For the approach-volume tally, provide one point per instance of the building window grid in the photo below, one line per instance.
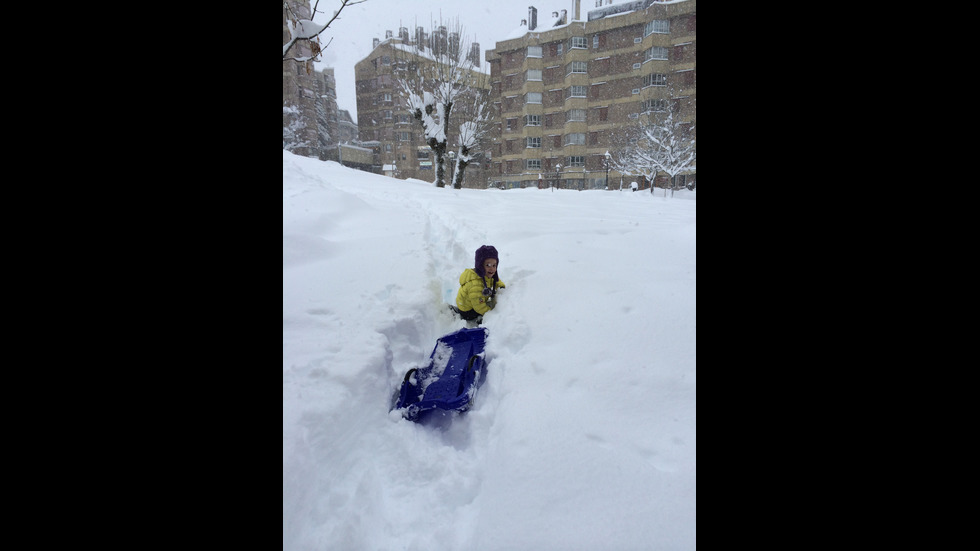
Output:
(577, 67)
(657, 26)
(655, 79)
(656, 52)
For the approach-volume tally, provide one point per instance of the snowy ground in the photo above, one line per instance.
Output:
(584, 434)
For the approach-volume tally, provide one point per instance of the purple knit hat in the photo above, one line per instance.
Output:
(483, 253)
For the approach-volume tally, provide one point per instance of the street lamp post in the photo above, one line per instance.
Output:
(558, 174)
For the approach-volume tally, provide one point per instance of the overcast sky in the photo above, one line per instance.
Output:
(483, 21)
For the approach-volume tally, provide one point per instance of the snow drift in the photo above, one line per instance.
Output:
(583, 435)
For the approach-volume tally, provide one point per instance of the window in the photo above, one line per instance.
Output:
(656, 52)
(533, 142)
(579, 42)
(387, 113)
(603, 113)
(577, 91)
(595, 41)
(533, 164)
(656, 79)
(657, 26)
(386, 97)
(511, 124)
(576, 114)
(578, 67)
(575, 160)
(532, 120)
(533, 97)
(534, 51)
(533, 74)
(658, 105)
(405, 136)
(575, 139)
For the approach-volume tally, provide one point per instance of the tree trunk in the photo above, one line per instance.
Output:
(461, 167)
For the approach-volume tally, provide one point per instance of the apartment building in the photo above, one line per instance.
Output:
(563, 90)
(384, 120)
(299, 90)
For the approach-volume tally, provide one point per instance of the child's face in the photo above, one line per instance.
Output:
(489, 267)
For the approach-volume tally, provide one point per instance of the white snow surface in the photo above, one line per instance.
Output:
(584, 433)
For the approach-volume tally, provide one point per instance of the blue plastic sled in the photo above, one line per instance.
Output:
(456, 370)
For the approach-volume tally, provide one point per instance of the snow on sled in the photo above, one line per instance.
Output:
(456, 370)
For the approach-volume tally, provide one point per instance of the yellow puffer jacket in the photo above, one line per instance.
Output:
(470, 295)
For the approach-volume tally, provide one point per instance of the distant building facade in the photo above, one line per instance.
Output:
(385, 121)
(346, 127)
(299, 90)
(561, 93)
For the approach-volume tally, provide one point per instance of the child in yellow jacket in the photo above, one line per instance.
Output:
(478, 286)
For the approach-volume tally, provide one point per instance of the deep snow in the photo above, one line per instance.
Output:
(584, 434)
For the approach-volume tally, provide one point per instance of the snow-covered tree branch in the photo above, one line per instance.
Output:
(660, 144)
(306, 29)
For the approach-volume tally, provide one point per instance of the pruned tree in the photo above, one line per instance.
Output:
(474, 110)
(447, 95)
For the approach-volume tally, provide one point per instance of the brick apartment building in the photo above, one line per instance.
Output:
(562, 90)
(299, 90)
(384, 120)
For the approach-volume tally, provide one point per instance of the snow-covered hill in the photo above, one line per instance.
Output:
(584, 434)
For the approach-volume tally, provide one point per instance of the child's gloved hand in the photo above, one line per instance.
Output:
(491, 302)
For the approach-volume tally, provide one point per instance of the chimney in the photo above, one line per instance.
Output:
(474, 56)
(454, 45)
(375, 42)
(387, 35)
(532, 18)
(578, 9)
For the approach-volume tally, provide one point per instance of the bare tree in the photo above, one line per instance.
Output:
(306, 29)
(660, 143)
(447, 95)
